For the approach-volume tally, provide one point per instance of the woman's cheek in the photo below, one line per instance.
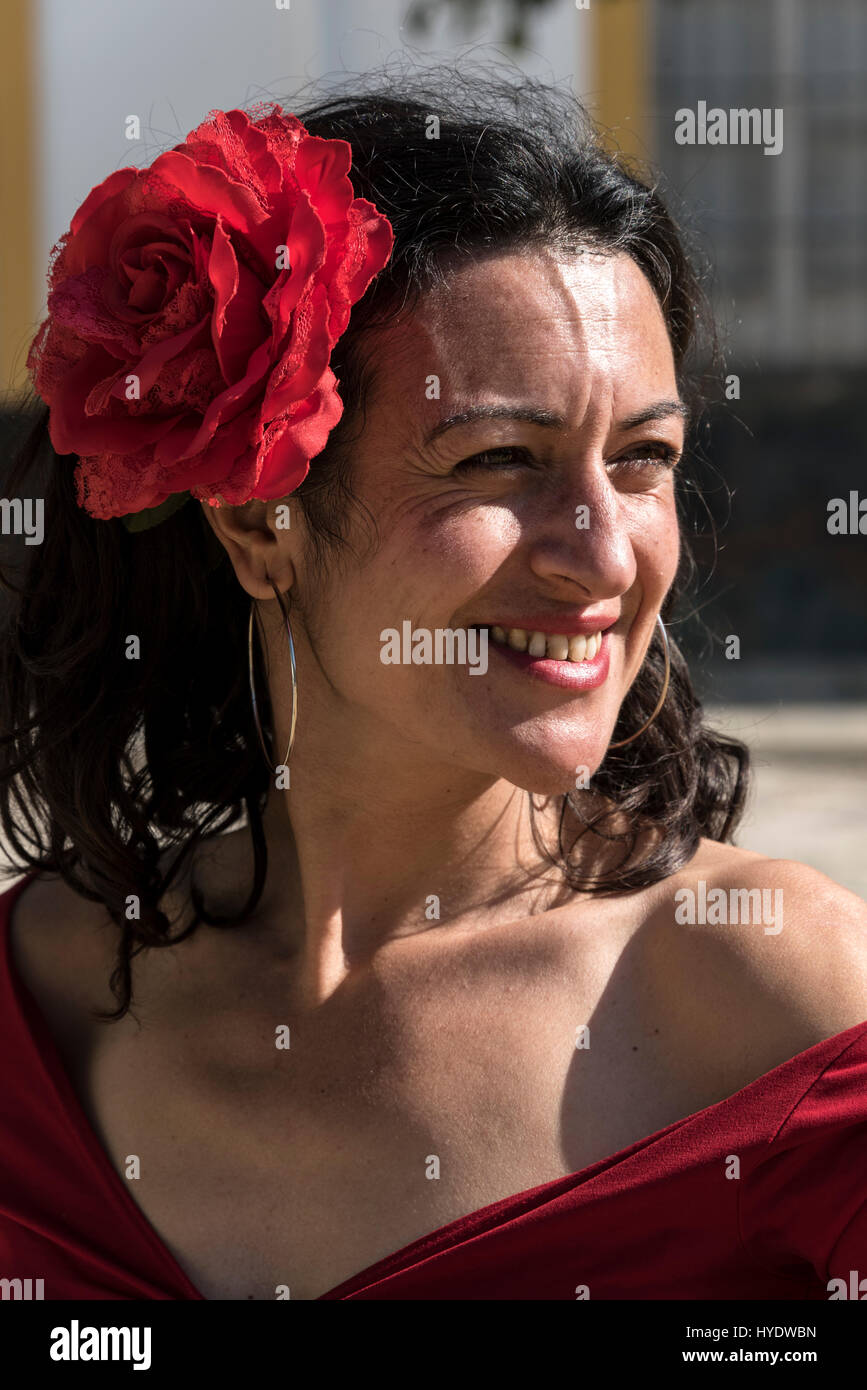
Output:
(656, 540)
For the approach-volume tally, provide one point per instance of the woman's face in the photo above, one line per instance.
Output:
(477, 520)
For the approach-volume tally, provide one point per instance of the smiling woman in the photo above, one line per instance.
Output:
(459, 1041)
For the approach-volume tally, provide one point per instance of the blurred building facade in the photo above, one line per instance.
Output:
(788, 232)
(787, 237)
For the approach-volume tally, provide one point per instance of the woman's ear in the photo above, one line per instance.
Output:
(260, 548)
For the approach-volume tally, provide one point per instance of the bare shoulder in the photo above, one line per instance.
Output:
(770, 952)
(62, 946)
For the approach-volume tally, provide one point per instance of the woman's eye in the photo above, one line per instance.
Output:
(509, 456)
(643, 454)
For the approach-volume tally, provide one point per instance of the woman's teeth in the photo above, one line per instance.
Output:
(551, 645)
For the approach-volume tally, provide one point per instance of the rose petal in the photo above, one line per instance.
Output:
(292, 444)
(207, 189)
(79, 303)
(225, 407)
(301, 369)
(223, 275)
(322, 168)
(148, 369)
(239, 323)
(110, 187)
(230, 466)
(379, 240)
(365, 251)
(73, 432)
(93, 230)
(307, 246)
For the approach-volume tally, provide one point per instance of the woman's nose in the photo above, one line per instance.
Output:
(583, 537)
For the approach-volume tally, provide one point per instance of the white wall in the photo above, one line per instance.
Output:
(171, 61)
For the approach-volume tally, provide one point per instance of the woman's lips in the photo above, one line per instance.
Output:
(570, 675)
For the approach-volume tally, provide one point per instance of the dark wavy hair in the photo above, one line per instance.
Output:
(105, 763)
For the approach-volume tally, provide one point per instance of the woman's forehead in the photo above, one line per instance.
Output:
(536, 326)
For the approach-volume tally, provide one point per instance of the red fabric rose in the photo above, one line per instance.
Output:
(178, 354)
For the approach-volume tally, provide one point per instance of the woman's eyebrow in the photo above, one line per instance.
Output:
(549, 419)
(658, 411)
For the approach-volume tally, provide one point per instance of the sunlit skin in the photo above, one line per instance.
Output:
(404, 777)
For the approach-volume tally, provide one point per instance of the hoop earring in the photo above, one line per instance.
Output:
(667, 650)
(284, 609)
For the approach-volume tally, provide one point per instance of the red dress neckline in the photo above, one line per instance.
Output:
(453, 1233)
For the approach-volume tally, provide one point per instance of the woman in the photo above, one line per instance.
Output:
(481, 1001)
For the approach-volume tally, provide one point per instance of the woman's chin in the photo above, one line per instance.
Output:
(552, 778)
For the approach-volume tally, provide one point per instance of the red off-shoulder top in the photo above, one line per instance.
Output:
(665, 1218)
